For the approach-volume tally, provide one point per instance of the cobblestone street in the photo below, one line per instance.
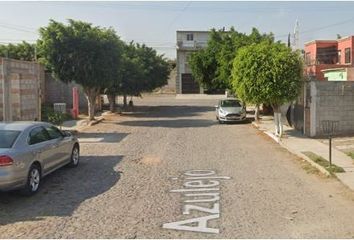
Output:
(131, 164)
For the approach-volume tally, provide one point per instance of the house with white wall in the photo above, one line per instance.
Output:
(187, 43)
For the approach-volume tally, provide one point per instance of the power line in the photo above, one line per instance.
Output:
(19, 26)
(16, 29)
(178, 15)
(319, 28)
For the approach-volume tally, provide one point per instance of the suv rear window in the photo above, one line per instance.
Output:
(8, 138)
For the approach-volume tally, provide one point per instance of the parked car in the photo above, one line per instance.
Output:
(230, 110)
(31, 150)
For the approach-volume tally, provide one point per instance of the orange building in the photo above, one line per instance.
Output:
(328, 54)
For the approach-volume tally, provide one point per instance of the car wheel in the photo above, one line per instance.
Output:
(33, 180)
(75, 156)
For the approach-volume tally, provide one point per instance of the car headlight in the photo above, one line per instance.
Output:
(221, 112)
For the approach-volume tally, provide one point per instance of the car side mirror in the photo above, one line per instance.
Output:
(67, 134)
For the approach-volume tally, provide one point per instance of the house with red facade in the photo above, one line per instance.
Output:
(330, 59)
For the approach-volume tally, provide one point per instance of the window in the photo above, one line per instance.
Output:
(54, 132)
(189, 36)
(308, 58)
(339, 56)
(7, 138)
(347, 55)
(38, 135)
(230, 103)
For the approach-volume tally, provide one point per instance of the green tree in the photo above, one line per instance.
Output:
(21, 51)
(82, 53)
(267, 73)
(212, 66)
(143, 70)
(204, 62)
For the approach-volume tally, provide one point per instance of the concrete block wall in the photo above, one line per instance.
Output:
(59, 92)
(1, 90)
(333, 100)
(20, 90)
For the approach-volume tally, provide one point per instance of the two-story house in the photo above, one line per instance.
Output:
(188, 42)
(330, 60)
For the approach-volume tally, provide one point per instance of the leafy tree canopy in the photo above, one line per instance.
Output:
(80, 52)
(22, 51)
(143, 70)
(212, 66)
(267, 73)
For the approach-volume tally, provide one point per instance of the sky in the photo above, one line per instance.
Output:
(156, 23)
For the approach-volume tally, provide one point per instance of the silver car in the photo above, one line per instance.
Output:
(230, 110)
(31, 150)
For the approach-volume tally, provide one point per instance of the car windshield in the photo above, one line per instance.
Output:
(230, 103)
(7, 138)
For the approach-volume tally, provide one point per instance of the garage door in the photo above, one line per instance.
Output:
(188, 84)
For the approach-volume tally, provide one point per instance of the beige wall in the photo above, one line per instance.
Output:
(20, 90)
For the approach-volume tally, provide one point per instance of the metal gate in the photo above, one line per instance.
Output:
(307, 108)
(188, 84)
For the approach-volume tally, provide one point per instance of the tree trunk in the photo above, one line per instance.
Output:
(124, 100)
(91, 95)
(256, 113)
(277, 121)
(112, 102)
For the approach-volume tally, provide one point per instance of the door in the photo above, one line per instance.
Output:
(188, 84)
(60, 146)
(39, 145)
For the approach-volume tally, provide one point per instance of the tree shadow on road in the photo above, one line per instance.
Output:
(101, 137)
(62, 191)
(176, 123)
(168, 111)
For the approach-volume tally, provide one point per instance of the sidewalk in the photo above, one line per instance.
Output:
(296, 143)
(79, 124)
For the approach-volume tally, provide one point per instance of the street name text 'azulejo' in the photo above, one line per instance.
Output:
(200, 187)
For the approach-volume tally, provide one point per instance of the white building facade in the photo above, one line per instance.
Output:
(188, 42)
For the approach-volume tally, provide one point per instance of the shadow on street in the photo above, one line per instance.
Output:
(178, 123)
(100, 137)
(62, 191)
(168, 111)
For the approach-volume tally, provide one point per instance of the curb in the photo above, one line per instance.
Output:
(79, 128)
(96, 121)
(300, 155)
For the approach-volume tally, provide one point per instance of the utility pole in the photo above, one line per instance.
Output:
(296, 38)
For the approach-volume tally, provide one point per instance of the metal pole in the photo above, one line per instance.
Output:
(3, 92)
(330, 151)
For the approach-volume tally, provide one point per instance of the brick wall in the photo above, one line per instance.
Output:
(20, 90)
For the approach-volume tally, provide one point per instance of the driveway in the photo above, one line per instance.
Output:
(140, 172)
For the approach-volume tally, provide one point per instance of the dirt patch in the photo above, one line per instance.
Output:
(148, 160)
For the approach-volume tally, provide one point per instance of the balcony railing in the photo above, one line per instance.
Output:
(190, 45)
